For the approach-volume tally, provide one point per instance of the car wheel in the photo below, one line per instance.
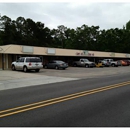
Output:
(37, 70)
(87, 66)
(13, 67)
(25, 69)
(112, 65)
(56, 67)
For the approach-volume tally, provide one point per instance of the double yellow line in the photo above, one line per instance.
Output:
(36, 105)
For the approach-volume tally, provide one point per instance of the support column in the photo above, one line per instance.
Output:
(2, 61)
(7, 61)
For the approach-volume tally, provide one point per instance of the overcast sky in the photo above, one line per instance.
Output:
(71, 14)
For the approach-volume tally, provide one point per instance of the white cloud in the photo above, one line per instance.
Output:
(71, 14)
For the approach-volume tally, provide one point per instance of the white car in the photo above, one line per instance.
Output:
(27, 63)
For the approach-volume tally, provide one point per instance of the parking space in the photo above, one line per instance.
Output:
(15, 79)
(82, 72)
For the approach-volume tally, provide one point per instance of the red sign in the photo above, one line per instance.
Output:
(81, 53)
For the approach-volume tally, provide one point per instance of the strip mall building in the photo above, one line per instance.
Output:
(10, 53)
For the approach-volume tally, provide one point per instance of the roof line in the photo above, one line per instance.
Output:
(7, 48)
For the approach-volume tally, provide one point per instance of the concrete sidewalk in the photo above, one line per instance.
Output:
(16, 79)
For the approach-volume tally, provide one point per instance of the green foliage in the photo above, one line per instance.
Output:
(1, 42)
(27, 32)
(128, 25)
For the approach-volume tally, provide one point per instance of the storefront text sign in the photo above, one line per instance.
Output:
(84, 53)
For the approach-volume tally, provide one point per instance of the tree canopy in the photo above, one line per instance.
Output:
(28, 32)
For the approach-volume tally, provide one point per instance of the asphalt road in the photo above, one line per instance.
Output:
(93, 102)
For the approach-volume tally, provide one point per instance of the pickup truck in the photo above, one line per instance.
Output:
(84, 63)
(110, 62)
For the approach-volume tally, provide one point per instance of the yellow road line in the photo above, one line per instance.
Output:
(60, 99)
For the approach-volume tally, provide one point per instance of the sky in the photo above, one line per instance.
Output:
(70, 13)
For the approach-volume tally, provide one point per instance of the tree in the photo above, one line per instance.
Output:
(27, 32)
(128, 25)
(7, 27)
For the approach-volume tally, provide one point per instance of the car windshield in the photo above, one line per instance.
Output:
(60, 62)
(85, 60)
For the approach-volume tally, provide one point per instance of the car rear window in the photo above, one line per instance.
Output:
(33, 60)
(60, 62)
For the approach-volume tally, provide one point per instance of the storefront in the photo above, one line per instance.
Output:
(10, 53)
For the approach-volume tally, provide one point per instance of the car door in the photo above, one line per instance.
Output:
(54, 63)
(21, 63)
(50, 64)
(17, 64)
(82, 63)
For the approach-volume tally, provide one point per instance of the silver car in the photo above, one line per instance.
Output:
(56, 64)
(27, 63)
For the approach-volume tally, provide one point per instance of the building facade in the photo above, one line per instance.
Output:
(10, 53)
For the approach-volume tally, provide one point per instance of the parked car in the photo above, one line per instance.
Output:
(56, 64)
(105, 63)
(128, 62)
(112, 62)
(27, 63)
(123, 63)
(84, 63)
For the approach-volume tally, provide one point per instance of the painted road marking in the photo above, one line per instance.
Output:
(36, 105)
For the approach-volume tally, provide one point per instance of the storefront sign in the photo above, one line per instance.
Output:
(84, 53)
(51, 51)
(127, 55)
(27, 49)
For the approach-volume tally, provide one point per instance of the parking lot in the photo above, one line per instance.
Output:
(15, 79)
(82, 72)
